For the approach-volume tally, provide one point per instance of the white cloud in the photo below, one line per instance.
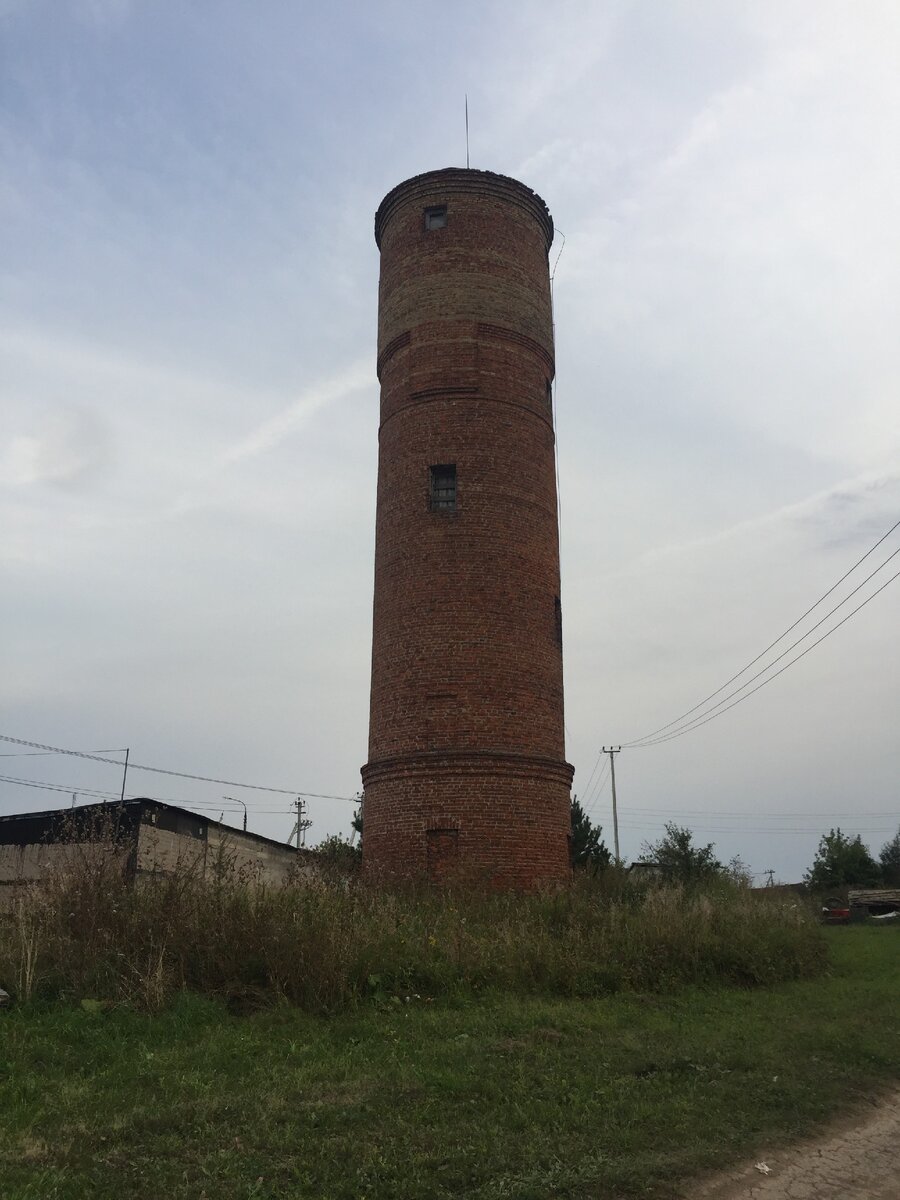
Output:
(70, 450)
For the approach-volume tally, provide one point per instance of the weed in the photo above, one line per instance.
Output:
(90, 930)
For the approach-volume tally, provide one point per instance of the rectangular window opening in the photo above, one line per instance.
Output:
(549, 395)
(442, 493)
(436, 217)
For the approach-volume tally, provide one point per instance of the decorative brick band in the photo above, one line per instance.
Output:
(500, 333)
(432, 764)
(428, 395)
(397, 343)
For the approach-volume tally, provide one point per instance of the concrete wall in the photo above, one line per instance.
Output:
(165, 850)
(29, 863)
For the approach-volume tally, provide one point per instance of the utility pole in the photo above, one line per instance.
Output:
(611, 751)
(302, 823)
(361, 796)
(124, 774)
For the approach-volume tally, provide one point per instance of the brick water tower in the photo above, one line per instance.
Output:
(466, 777)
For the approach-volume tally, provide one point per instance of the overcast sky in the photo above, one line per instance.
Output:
(189, 408)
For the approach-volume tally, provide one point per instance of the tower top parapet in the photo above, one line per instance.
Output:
(463, 180)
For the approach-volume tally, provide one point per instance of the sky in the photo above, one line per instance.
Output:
(189, 407)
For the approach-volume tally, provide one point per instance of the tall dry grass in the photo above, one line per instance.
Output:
(88, 931)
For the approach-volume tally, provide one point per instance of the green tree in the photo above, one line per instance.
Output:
(890, 861)
(338, 857)
(679, 860)
(587, 848)
(842, 861)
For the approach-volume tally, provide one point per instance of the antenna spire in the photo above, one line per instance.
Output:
(467, 131)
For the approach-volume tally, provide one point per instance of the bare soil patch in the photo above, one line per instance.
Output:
(857, 1159)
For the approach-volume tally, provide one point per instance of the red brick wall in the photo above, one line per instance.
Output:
(466, 723)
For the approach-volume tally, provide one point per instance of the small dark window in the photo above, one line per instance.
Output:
(549, 394)
(557, 613)
(436, 218)
(442, 495)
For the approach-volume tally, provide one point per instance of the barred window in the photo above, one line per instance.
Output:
(443, 487)
(436, 218)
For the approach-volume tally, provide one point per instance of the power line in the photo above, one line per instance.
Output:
(256, 787)
(590, 799)
(808, 831)
(719, 814)
(587, 786)
(53, 787)
(45, 753)
(78, 789)
(86, 791)
(695, 724)
(677, 720)
(69, 789)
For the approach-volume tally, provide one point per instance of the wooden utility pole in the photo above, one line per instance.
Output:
(302, 823)
(611, 751)
(124, 774)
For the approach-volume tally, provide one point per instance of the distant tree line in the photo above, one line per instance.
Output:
(840, 861)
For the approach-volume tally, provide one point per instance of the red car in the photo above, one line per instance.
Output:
(835, 912)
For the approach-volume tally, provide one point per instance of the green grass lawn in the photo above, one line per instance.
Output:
(495, 1097)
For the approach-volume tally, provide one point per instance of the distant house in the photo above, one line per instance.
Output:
(151, 837)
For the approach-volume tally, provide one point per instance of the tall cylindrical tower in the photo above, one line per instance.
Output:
(466, 775)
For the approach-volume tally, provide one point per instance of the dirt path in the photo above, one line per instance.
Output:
(860, 1161)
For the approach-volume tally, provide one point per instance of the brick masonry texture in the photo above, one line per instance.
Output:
(466, 774)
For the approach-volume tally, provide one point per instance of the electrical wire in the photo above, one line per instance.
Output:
(701, 704)
(587, 786)
(256, 787)
(54, 787)
(591, 804)
(203, 807)
(740, 814)
(697, 722)
(591, 793)
(808, 831)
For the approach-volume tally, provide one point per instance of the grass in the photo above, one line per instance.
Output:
(490, 1096)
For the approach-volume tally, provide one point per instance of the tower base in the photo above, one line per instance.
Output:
(484, 819)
